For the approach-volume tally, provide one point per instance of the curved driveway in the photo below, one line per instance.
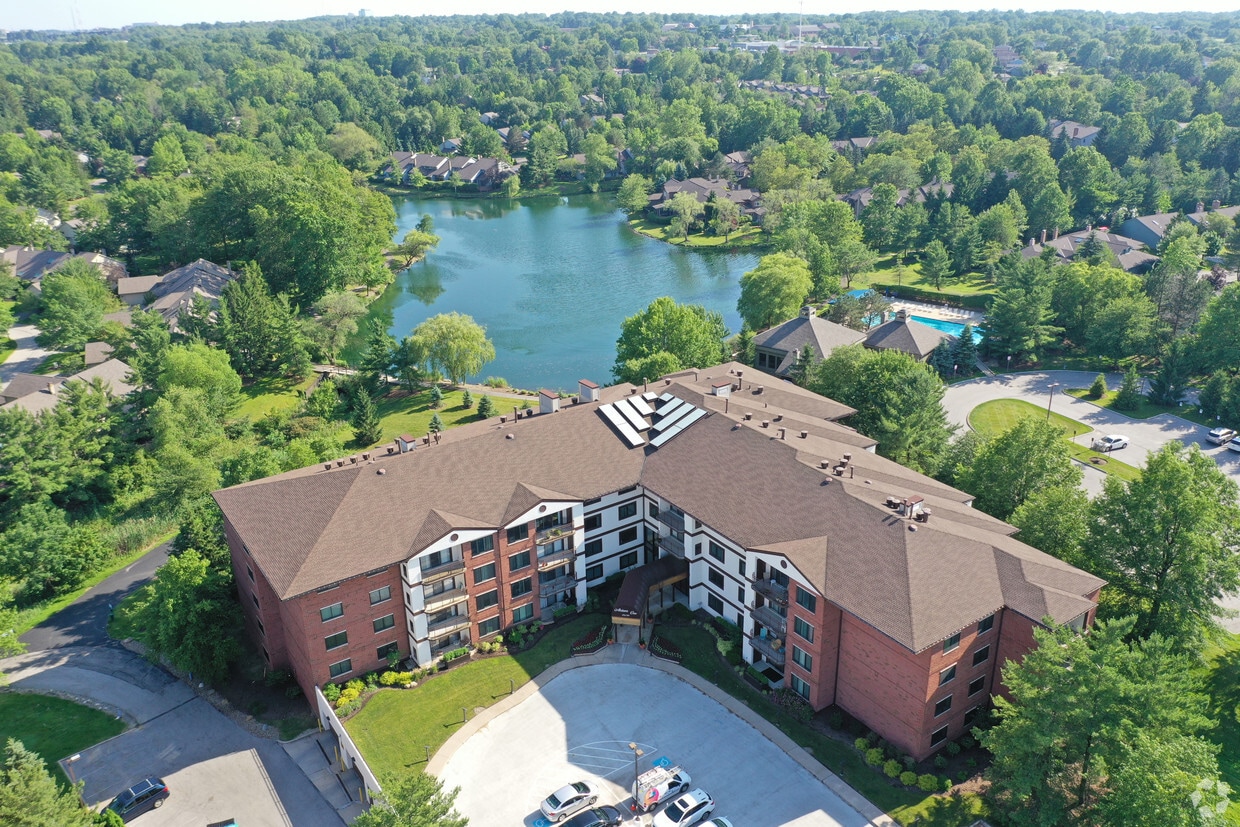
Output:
(28, 355)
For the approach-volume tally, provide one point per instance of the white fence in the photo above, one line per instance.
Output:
(350, 755)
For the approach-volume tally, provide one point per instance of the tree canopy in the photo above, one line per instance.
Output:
(774, 291)
(667, 337)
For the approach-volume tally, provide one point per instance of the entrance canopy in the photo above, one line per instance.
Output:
(635, 591)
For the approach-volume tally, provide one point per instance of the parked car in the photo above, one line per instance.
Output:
(658, 785)
(1234, 445)
(690, 808)
(568, 800)
(1220, 436)
(1110, 442)
(719, 822)
(604, 816)
(148, 794)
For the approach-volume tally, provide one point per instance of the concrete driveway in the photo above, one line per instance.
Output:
(556, 736)
(28, 355)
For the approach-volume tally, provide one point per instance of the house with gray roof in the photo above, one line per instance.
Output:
(1148, 229)
(855, 580)
(906, 335)
(1077, 134)
(777, 350)
(1129, 252)
(175, 291)
(35, 394)
(31, 265)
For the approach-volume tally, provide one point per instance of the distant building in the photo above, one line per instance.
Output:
(1128, 251)
(906, 335)
(1078, 134)
(31, 265)
(35, 394)
(777, 350)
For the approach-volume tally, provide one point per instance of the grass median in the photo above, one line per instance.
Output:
(52, 727)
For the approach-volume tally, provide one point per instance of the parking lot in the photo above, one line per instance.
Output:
(579, 727)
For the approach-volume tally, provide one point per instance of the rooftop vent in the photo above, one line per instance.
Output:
(759, 389)
(365, 456)
(353, 460)
(782, 431)
(339, 463)
(327, 466)
(804, 434)
(587, 391)
(824, 464)
(381, 471)
(748, 416)
(766, 423)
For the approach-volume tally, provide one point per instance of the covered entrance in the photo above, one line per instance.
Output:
(632, 611)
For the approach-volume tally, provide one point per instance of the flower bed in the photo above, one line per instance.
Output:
(591, 643)
(665, 649)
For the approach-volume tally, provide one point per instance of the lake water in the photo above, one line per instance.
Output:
(551, 280)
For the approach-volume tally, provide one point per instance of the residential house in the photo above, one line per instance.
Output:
(451, 145)
(906, 335)
(859, 199)
(489, 118)
(854, 144)
(1130, 252)
(1077, 134)
(31, 265)
(777, 350)
(738, 163)
(177, 289)
(702, 189)
(404, 164)
(1148, 229)
(97, 353)
(133, 290)
(591, 102)
(859, 582)
(34, 393)
(1199, 216)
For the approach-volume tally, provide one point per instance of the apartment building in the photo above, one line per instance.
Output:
(857, 581)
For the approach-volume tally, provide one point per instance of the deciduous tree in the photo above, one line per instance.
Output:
(774, 291)
(1010, 468)
(455, 345)
(667, 337)
(74, 299)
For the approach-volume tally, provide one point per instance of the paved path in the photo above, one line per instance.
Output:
(28, 355)
(627, 654)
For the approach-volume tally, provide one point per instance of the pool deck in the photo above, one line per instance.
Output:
(934, 311)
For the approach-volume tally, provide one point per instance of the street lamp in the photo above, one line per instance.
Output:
(1051, 387)
(637, 753)
(72, 778)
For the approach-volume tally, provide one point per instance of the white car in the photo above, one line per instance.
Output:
(1220, 436)
(1110, 442)
(690, 808)
(719, 822)
(1234, 445)
(568, 800)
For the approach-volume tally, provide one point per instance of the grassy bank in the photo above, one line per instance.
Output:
(746, 237)
(53, 728)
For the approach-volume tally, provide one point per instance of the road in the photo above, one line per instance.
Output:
(28, 355)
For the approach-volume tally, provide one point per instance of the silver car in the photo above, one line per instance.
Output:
(568, 800)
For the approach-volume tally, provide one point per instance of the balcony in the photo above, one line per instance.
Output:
(557, 585)
(763, 647)
(771, 590)
(771, 619)
(553, 533)
(447, 624)
(449, 643)
(672, 546)
(671, 519)
(431, 602)
(556, 558)
(443, 570)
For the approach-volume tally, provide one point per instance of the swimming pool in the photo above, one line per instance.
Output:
(954, 328)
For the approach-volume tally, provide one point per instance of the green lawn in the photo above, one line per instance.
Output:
(7, 345)
(52, 727)
(1221, 671)
(396, 725)
(905, 805)
(404, 413)
(998, 415)
(970, 290)
(750, 236)
(268, 395)
(1145, 408)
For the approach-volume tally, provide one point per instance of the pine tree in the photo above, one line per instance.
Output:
(436, 425)
(1213, 397)
(936, 264)
(467, 399)
(436, 396)
(30, 796)
(1129, 396)
(367, 428)
(941, 359)
(964, 351)
(1099, 388)
(486, 408)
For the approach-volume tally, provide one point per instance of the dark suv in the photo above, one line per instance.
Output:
(147, 794)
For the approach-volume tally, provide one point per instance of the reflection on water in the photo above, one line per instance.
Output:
(551, 280)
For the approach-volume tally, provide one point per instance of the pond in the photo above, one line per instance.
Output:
(551, 280)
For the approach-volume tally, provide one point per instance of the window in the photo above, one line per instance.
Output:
(331, 612)
(249, 571)
(384, 623)
(628, 535)
(715, 604)
(740, 568)
(654, 510)
(938, 737)
(337, 640)
(740, 594)
(697, 550)
(484, 573)
(592, 547)
(483, 544)
(627, 510)
(800, 687)
(522, 587)
(523, 613)
(254, 597)
(518, 533)
(380, 595)
(435, 559)
(488, 627)
(486, 600)
(629, 559)
(985, 625)
(715, 577)
(261, 630)
(519, 561)
(981, 655)
(594, 572)
(943, 706)
(977, 686)
(341, 667)
(803, 629)
(594, 522)
(386, 649)
(947, 675)
(806, 600)
(717, 552)
(971, 715)
(802, 659)
(952, 642)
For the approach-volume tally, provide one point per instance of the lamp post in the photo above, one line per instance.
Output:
(637, 753)
(1051, 387)
(69, 762)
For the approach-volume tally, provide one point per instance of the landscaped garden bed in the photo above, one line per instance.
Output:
(592, 642)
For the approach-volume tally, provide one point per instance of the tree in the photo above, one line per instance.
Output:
(258, 331)
(416, 800)
(1055, 520)
(511, 187)
(1216, 342)
(367, 428)
(633, 196)
(354, 147)
(436, 426)
(1166, 543)
(686, 210)
(774, 291)
(1129, 396)
(688, 335)
(899, 401)
(436, 396)
(30, 796)
(1169, 384)
(1076, 708)
(600, 159)
(1020, 316)
(467, 399)
(74, 299)
(879, 217)
(1166, 782)
(189, 614)
(415, 245)
(455, 345)
(852, 258)
(202, 529)
(1123, 327)
(167, 158)
(203, 368)
(1031, 456)
(338, 313)
(486, 408)
(727, 216)
(936, 264)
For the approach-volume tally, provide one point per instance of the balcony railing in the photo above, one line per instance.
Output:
(672, 520)
(438, 601)
(771, 590)
(672, 546)
(556, 558)
(448, 624)
(443, 570)
(557, 585)
(453, 642)
(771, 619)
(769, 652)
(550, 535)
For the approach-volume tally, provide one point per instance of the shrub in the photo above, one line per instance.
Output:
(953, 748)
(835, 720)
(967, 742)
(874, 756)
(277, 677)
(393, 659)
(348, 696)
(357, 684)
(910, 763)
(396, 678)
(292, 692)
(908, 778)
(1099, 388)
(971, 762)
(467, 399)
(590, 642)
(496, 382)
(756, 676)
(891, 768)
(345, 710)
(331, 691)
(372, 680)
(928, 783)
(861, 744)
(796, 706)
(947, 784)
(940, 762)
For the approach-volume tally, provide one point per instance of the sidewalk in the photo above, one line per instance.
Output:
(634, 656)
